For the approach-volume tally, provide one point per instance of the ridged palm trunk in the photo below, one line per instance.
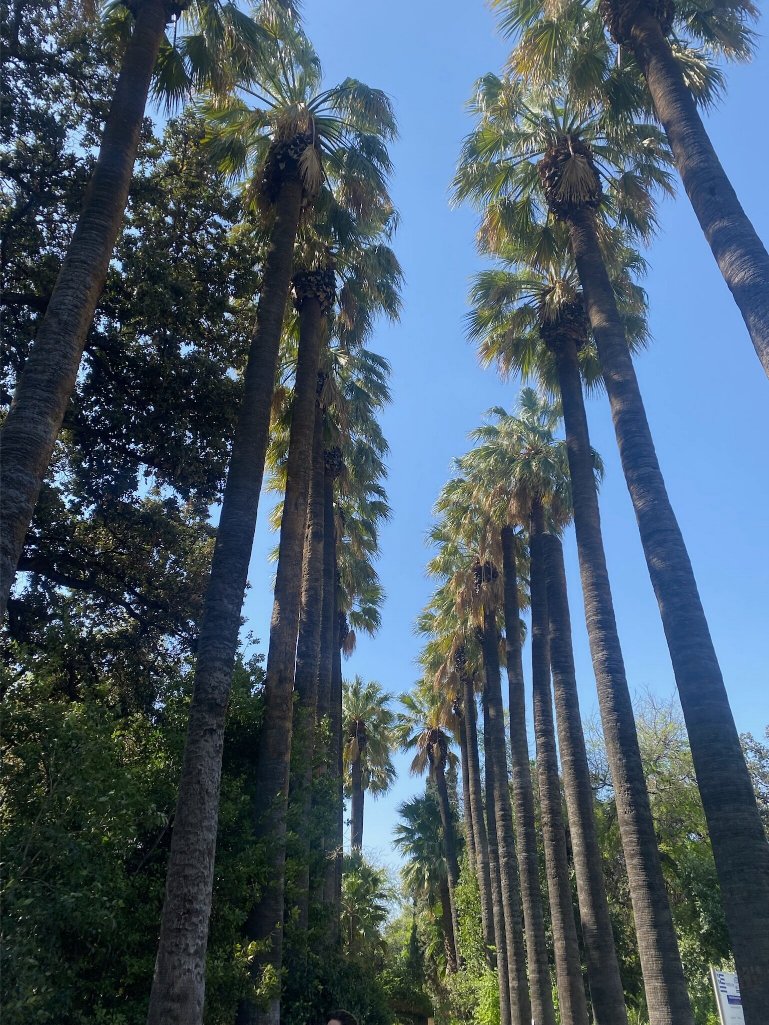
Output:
(467, 823)
(179, 982)
(308, 668)
(740, 847)
(739, 252)
(496, 768)
(603, 969)
(265, 921)
(328, 609)
(335, 876)
(438, 773)
(571, 991)
(357, 798)
(666, 994)
(448, 925)
(476, 812)
(540, 985)
(48, 378)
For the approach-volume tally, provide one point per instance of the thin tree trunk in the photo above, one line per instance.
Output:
(265, 920)
(666, 994)
(469, 828)
(449, 847)
(447, 925)
(542, 1009)
(740, 847)
(336, 736)
(571, 991)
(179, 982)
(329, 598)
(308, 668)
(496, 758)
(495, 876)
(739, 252)
(476, 812)
(603, 969)
(48, 379)
(356, 805)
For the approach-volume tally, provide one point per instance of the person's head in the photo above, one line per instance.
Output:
(341, 1018)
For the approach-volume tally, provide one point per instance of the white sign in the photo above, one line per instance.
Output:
(727, 990)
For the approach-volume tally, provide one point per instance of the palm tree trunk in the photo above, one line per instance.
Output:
(476, 813)
(447, 925)
(523, 796)
(328, 609)
(265, 921)
(495, 876)
(449, 847)
(333, 880)
(571, 991)
(179, 981)
(307, 668)
(356, 805)
(666, 994)
(469, 828)
(740, 846)
(49, 375)
(496, 767)
(739, 252)
(603, 969)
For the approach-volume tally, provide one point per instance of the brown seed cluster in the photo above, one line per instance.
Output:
(621, 15)
(282, 160)
(316, 284)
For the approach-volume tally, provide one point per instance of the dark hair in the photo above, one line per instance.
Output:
(343, 1017)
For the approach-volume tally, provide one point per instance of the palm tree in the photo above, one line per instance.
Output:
(535, 461)
(286, 146)
(468, 555)
(425, 878)
(668, 43)
(369, 730)
(513, 311)
(561, 163)
(422, 729)
(223, 40)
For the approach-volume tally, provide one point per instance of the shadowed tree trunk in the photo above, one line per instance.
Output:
(469, 828)
(601, 955)
(447, 925)
(308, 665)
(496, 766)
(542, 1009)
(48, 379)
(740, 847)
(449, 843)
(357, 798)
(337, 769)
(498, 915)
(568, 969)
(476, 811)
(739, 252)
(179, 982)
(314, 298)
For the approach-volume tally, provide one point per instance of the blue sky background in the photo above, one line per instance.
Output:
(706, 396)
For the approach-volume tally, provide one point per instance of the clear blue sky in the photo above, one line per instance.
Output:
(706, 396)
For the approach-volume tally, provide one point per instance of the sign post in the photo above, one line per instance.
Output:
(726, 986)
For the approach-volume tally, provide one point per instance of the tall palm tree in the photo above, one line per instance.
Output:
(225, 47)
(452, 658)
(286, 145)
(555, 169)
(468, 555)
(418, 837)
(526, 447)
(663, 39)
(369, 727)
(513, 310)
(422, 728)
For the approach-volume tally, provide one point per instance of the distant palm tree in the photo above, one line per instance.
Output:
(369, 729)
